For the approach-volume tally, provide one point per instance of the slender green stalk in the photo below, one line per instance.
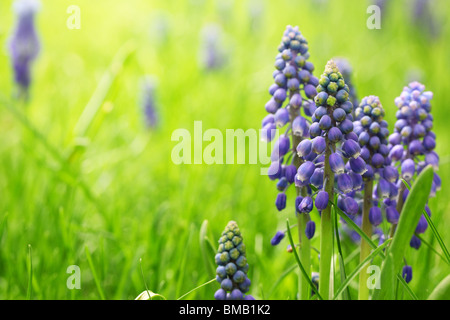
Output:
(365, 247)
(305, 254)
(326, 231)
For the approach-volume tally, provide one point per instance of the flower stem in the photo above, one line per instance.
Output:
(305, 255)
(326, 230)
(365, 247)
(399, 207)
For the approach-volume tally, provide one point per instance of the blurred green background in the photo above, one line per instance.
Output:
(120, 195)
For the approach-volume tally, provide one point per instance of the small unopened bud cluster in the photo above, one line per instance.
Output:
(232, 268)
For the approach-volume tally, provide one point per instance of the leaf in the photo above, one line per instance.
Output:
(94, 274)
(299, 263)
(442, 290)
(409, 218)
(358, 269)
(207, 258)
(434, 230)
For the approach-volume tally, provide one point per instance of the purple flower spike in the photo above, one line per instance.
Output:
(310, 229)
(305, 171)
(24, 45)
(375, 216)
(277, 238)
(337, 163)
(392, 215)
(322, 200)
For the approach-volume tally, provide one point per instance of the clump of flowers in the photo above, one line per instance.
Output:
(232, 266)
(24, 45)
(412, 144)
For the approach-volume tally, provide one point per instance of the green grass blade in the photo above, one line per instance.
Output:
(30, 273)
(433, 228)
(442, 290)
(346, 294)
(299, 263)
(207, 258)
(196, 288)
(432, 249)
(358, 269)
(409, 218)
(282, 276)
(94, 274)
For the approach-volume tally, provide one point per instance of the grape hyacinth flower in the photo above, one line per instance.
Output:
(24, 44)
(232, 268)
(212, 55)
(379, 179)
(148, 103)
(413, 142)
(290, 106)
(333, 143)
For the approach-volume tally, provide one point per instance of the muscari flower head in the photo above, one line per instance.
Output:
(293, 89)
(232, 268)
(148, 101)
(332, 127)
(24, 44)
(373, 135)
(413, 142)
(212, 54)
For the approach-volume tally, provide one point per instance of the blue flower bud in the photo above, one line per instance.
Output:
(325, 122)
(408, 169)
(346, 126)
(306, 205)
(277, 238)
(336, 163)
(392, 215)
(407, 273)
(274, 171)
(317, 178)
(300, 126)
(305, 171)
(290, 173)
(310, 229)
(335, 134)
(280, 202)
(358, 165)
(220, 294)
(282, 184)
(318, 145)
(422, 225)
(350, 206)
(351, 149)
(375, 216)
(357, 180)
(377, 160)
(314, 130)
(344, 183)
(396, 153)
(304, 148)
(415, 242)
(322, 200)
(281, 117)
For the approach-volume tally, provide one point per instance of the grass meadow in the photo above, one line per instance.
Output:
(83, 180)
